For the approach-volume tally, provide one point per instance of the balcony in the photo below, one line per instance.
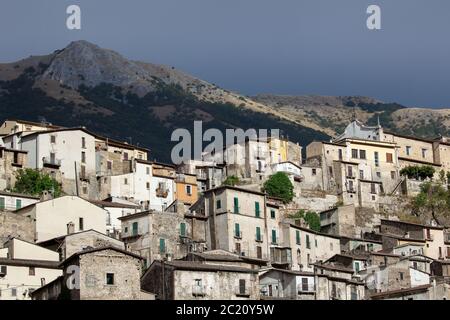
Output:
(52, 163)
(236, 209)
(242, 291)
(162, 193)
(259, 238)
(306, 288)
(238, 234)
(198, 290)
(274, 240)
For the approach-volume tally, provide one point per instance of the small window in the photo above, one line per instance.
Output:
(125, 181)
(13, 292)
(110, 279)
(148, 185)
(408, 150)
(401, 275)
(354, 153)
(424, 153)
(109, 165)
(218, 204)
(83, 142)
(393, 175)
(297, 237)
(125, 156)
(31, 271)
(162, 246)
(2, 203)
(314, 172)
(83, 157)
(4, 270)
(189, 190)
(52, 139)
(81, 224)
(272, 214)
(18, 204)
(148, 170)
(389, 158)
(362, 154)
(183, 229)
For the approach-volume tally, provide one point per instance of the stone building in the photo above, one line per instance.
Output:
(16, 226)
(11, 161)
(188, 280)
(158, 235)
(339, 221)
(106, 273)
(72, 243)
(287, 285)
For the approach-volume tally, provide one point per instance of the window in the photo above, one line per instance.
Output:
(350, 171)
(189, 190)
(315, 242)
(259, 252)
(373, 188)
(125, 181)
(18, 203)
(361, 174)
(110, 279)
(272, 214)
(424, 153)
(81, 224)
(218, 204)
(162, 246)
(314, 172)
(304, 284)
(389, 158)
(83, 157)
(83, 142)
(108, 219)
(183, 229)
(237, 230)
(340, 154)
(401, 275)
(4, 270)
(13, 292)
(362, 154)
(148, 185)
(237, 248)
(31, 271)
(242, 286)
(109, 165)
(52, 158)
(258, 234)
(350, 186)
(393, 175)
(125, 156)
(356, 266)
(236, 205)
(135, 228)
(274, 236)
(257, 213)
(330, 170)
(297, 237)
(147, 170)
(408, 150)
(355, 153)
(377, 159)
(378, 174)
(2, 203)
(308, 244)
(52, 139)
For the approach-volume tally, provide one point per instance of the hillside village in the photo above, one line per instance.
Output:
(116, 225)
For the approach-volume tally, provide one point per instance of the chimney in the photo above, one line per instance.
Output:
(46, 195)
(70, 228)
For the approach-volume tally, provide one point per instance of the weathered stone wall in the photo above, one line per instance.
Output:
(13, 225)
(93, 269)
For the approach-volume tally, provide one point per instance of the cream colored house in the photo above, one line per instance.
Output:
(25, 267)
(60, 216)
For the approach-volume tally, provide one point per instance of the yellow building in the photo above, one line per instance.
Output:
(186, 188)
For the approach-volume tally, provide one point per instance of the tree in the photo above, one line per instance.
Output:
(310, 217)
(280, 186)
(418, 172)
(231, 181)
(433, 199)
(34, 182)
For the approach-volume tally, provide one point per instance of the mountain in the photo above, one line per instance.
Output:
(143, 103)
(85, 85)
(332, 114)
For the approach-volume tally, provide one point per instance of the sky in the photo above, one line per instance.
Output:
(290, 47)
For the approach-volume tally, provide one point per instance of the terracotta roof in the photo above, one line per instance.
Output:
(80, 253)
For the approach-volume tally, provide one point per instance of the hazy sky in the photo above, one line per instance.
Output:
(259, 46)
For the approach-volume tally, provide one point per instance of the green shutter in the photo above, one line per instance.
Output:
(18, 203)
(297, 236)
(218, 204)
(162, 246)
(258, 233)
(183, 229)
(2, 203)
(135, 228)
(272, 214)
(236, 205)
(257, 209)
(274, 236)
(237, 231)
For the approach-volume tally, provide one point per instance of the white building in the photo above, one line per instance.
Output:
(13, 201)
(25, 267)
(67, 214)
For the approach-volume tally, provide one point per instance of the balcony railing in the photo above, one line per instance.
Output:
(51, 162)
(238, 234)
(259, 238)
(198, 290)
(162, 193)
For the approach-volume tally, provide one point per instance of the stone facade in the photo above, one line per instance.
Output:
(13, 225)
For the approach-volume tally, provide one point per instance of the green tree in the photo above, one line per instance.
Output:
(433, 199)
(280, 186)
(231, 181)
(34, 182)
(310, 217)
(418, 172)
